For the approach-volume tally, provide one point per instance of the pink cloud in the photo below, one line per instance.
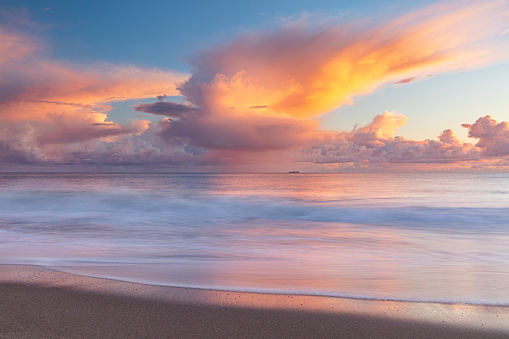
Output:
(493, 136)
(46, 105)
(251, 100)
(244, 133)
(31, 81)
(18, 145)
(405, 81)
(257, 92)
(303, 71)
(375, 143)
(15, 47)
(382, 128)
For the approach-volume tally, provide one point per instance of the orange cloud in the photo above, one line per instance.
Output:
(382, 128)
(257, 92)
(31, 83)
(376, 144)
(49, 108)
(302, 72)
(45, 103)
(251, 100)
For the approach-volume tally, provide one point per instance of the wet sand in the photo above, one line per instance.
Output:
(37, 302)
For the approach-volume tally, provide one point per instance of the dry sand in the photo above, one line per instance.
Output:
(37, 302)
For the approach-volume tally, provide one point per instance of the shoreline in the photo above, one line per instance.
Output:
(247, 290)
(77, 271)
(65, 301)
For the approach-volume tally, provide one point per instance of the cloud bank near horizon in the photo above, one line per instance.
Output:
(253, 99)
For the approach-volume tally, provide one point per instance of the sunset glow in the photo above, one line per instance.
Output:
(275, 169)
(257, 99)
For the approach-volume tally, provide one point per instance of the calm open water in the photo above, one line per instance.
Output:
(419, 236)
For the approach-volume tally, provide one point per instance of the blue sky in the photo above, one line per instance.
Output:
(165, 34)
(168, 37)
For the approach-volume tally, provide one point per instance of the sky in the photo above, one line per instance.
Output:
(263, 86)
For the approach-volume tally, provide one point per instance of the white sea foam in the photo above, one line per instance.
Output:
(415, 237)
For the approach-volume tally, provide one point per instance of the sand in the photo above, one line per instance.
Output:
(37, 302)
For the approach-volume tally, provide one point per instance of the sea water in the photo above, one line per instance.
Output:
(401, 236)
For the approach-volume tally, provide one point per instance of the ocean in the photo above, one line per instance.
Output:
(398, 236)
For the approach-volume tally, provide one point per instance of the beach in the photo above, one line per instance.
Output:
(37, 302)
(254, 169)
(253, 256)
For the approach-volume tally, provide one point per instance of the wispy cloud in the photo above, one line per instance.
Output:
(405, 81)
(61, 102)
(253, 98)
(169, 109)
(277, 80)
(303, 71)
(74, 104)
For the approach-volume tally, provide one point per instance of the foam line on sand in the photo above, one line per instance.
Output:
(37, 302)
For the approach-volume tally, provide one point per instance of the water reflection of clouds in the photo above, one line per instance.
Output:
(267, 231)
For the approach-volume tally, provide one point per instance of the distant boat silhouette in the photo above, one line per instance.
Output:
(294, 172)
